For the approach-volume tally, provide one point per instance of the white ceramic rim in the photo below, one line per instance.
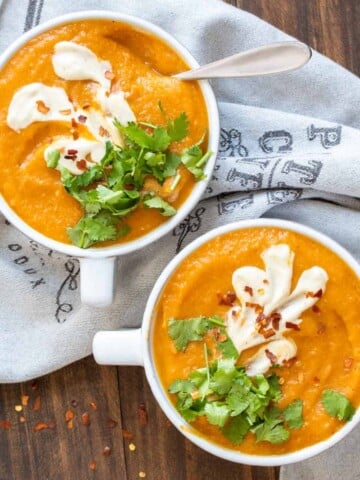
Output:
(198, 189)
(159, 391)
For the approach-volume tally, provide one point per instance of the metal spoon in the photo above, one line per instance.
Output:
(269, 59)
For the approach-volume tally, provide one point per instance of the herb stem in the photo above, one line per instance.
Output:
(203, 159)
(175, 182)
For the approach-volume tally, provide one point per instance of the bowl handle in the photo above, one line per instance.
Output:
(121, 347)
(97, 281)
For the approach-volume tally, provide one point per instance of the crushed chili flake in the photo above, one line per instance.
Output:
(112, 423)
(266, 281)
(92, 465)
(74, 403)
(292, 325)
(315, 309)
(5, 424)
(24, 400)
(249, 290)
(132, 447)
(18, 408)
(268, 333)
(126, 434)
(227, 298)
(262, 320)
(74, 123)
(93, 405)
(75, 134)
(258, 308)
(275, 320)
(109, 75)
(82, 118)
(22, 419)
(69, 415)
(317, 294)
(271, 356)
(40, 426)
(85, 419)
(107, 451)
(70, 157)
(72, 151)
(42, 108)
(142, 414)
(348, 363)
(37, 404)
(86, 106)
(289, 363)
(65, 112)
(103, 132)
(81, 164)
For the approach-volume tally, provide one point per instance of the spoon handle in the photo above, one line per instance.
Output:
(266, 60)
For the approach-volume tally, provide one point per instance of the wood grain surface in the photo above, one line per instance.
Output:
(125, 407)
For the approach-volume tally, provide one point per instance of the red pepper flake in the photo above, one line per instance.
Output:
(142, 414)
(271, 356)
(40, 426)
(65, 112)
(69, 415)
(109, 75)
(51, 425)
(234, 313)
(317, 294)
(75, 134)
(129, 186)
(315, 309)
(348, 363)
(227, 298)
(107, 451)
(249, 290)
(321, 328)
(74, 403)
(103, 132)
(292, 325)
(126, 434)
(34, 385)
(258, 308)
(5, 424)
(93, 405)
(262, 320)
(42, 108)
(82, 118)
(268, 333)
(85, 419)
(275, 320)
(86, 106)
(92, 465)
(81, 164)
(72, 151)
(24, 400)
(289, 363)
(22, 419)
(37, 404)
(266, 281)
(111, 423)
(70, 157)
(74, 123)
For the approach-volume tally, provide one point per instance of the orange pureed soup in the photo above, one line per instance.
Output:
(141, 65)
(327, 339)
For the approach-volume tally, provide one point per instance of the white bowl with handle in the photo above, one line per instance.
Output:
(134, 347)
(98, 265)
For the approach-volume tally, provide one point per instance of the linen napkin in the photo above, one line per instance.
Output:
(288, 149)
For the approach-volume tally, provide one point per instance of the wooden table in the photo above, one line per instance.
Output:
(128, 433)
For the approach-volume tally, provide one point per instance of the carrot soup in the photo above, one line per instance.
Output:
(256, 341)
(98, 142)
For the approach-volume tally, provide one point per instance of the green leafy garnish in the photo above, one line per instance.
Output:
(337, 405)
(235, 402)
(191, 329)
(113, 188)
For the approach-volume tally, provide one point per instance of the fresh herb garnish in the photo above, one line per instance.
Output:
(235, 402)
(114, 187)
(337, 405)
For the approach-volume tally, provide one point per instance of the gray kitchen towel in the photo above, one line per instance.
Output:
(289, 148)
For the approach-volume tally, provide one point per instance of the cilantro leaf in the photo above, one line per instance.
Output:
(216, 413)
(227, 348)
(194, 161)
(236, 429)
(190, 330)
(178, 128)
(52, 158)
(337, 405)
(92, 229)
(271, 429)
(293, 414)
(158, 141)
(160, 204)
(181, 386)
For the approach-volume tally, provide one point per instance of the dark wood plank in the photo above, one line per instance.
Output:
(161, 452)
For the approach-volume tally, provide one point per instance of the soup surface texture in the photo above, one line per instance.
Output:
(141, 65)
(328, 340)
